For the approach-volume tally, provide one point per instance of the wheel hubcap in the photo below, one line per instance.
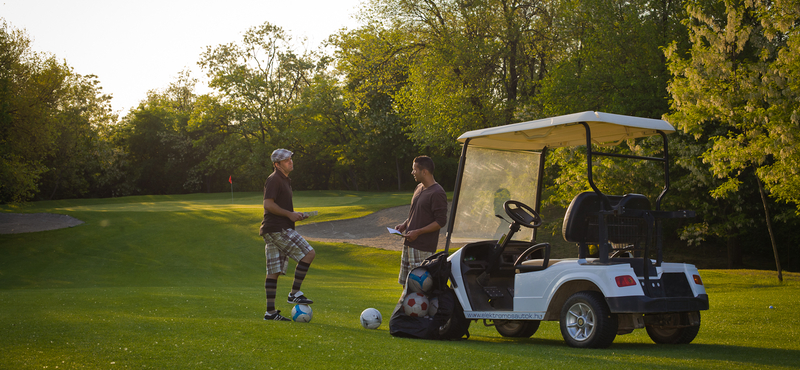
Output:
(580, 321)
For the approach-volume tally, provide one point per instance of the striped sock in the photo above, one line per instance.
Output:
(271, 286)
(299, 274)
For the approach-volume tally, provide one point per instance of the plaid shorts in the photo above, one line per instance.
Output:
(281, 246)
(410, 259)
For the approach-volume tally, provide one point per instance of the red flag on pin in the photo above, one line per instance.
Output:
(230, 179)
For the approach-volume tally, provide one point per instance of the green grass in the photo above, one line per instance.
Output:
(177, 282)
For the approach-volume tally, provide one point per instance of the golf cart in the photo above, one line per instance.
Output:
(616, 283)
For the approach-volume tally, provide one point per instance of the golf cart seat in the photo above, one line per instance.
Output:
(626, 223)
(539, 262)
(536, 265)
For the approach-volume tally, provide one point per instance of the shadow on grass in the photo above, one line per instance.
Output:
(747, 356)
(637, 355)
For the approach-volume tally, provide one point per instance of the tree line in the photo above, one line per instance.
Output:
(416, 74)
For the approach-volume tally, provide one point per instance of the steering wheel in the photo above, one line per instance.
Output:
(522, 214)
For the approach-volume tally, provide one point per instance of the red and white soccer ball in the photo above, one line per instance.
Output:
(416, 305)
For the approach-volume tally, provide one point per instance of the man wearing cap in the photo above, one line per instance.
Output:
(282, 241)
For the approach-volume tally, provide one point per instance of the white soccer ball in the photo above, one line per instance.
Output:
(415, 304)
(371, 318)
(301, 313)
(420, 281)
(433, 306)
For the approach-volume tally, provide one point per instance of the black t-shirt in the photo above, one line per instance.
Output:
(278, 188)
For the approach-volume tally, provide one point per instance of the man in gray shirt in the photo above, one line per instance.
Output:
(427, 215)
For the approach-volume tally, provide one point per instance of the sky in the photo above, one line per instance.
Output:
(137, 46)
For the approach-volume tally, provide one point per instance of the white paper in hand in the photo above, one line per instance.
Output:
(393, 231)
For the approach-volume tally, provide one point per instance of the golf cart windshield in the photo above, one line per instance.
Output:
(492, 177)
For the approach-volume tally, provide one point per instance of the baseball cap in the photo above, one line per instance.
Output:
(280, 154)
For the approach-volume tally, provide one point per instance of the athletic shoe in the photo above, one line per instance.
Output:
(298, 298)
(275, 316)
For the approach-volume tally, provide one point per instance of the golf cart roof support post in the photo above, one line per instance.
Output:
(589, 153)
(456, 192)
(666, 170)
(539, 186)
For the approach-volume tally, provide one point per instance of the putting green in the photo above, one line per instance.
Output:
(248, 201)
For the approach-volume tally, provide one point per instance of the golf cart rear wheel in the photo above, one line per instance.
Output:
(587, 322)
(516, 328)
(682, 334)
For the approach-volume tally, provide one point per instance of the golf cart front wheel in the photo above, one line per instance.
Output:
(457, 325)
(587, 322)
(679, 328)
(454, 328)
(517, 328)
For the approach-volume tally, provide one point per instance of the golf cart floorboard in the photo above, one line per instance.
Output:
(496, 295)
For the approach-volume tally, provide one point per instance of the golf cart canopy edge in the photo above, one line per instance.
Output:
(565, 130)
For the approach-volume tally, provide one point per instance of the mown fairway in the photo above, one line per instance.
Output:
(177, 282)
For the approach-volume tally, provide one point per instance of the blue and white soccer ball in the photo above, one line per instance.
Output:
(419, 281)
(301, 313)
(371, 318)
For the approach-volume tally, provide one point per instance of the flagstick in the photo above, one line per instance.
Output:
(231, 191)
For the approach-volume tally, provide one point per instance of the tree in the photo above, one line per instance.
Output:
(29, 84)
(373, 71)
(332, 133)
(50, 120)
(733, 92)
(77, 167)
(353, 149)
(614, 60)
(213, 133)
(159, 156)
(764, 114)
(260, 80)
(469, 64)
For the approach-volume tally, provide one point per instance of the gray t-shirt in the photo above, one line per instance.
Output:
(427, 205)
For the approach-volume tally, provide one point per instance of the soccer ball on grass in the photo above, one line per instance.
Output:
(301, 313)
(371, 318)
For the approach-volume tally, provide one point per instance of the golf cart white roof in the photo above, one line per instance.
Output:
(565, 131)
